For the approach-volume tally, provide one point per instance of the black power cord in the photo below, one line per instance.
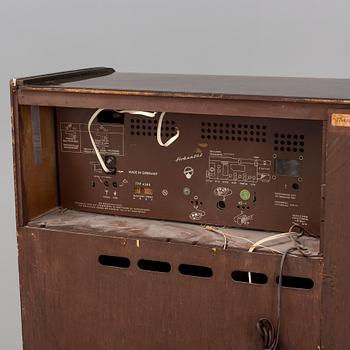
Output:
(267, 333)
(271, 337)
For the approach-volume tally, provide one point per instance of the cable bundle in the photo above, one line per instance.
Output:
(268, 335)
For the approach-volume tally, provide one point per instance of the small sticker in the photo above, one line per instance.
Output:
(341, 119)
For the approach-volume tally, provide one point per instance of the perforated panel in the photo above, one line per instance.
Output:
(148, 127)
(233, 132)
(285, 142)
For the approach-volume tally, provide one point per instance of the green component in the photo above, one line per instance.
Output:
(245, 195)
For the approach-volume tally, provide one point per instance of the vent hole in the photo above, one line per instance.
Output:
(296, 282)
(154, 265)
(243, 277)
(147, 124)
(196, 270)
(280, 142)
(211, 131)
(114, 261)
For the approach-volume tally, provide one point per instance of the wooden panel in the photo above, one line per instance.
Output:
(70, 301)
(335, 300)
(210, 86)
(16, 154)
(39, 180)
(100, 99)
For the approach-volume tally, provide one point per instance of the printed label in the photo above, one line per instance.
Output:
(285, 200)
(341, 119)
(108, 138)
(227, 168)
(300, 219)
(112, 207)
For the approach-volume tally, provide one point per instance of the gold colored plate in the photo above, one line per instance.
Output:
(341, 119)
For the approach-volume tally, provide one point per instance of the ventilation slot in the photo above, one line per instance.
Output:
(296, 282)
(114, 261)
(148, 127)
(289, 143)
(238, 132)
(195, 270)
(153, 265)
(256, 277)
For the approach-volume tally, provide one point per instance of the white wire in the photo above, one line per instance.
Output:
(100, 159)
(143, 113)
(159, 133)
(264, 240)
(227, 235)
(267, 239)
(213, 229)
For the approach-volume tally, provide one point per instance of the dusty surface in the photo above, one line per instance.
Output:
(76, 221)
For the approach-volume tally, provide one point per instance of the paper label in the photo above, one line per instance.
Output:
(341, 119)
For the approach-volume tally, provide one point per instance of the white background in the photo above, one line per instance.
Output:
(246, 37)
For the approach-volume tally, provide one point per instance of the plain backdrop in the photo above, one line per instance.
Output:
(246, 37)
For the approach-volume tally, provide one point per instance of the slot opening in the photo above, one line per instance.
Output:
(296, 282)
(196, 270)
(243, 277)
(154, 265)
(114, 261)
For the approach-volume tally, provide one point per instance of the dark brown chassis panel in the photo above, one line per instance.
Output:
(70, 301)
(233, 171)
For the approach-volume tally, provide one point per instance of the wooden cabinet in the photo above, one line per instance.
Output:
(95, 281)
